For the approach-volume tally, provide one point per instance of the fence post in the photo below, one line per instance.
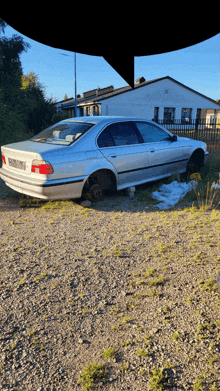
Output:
(196, 129)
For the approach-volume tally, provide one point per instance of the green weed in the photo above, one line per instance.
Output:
(90, 374)
(198, 384)
(156, 380)
(125, 343)
(149, 272)
(142, 353)
(109, 353)
(159, 281)
(175, 336)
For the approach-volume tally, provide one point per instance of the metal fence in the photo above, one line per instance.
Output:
(203, 130)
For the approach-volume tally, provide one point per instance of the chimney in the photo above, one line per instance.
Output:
(102, 91)
(140, 80)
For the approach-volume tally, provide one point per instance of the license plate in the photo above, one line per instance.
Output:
(17, 164)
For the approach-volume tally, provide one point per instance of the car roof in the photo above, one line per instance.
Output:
(106, 119)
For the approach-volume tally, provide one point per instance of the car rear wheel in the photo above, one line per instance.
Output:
(96, 185)
(96, 192)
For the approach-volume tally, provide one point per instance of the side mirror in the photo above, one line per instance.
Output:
(174, 138)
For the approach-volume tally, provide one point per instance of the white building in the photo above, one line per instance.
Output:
(163, 99)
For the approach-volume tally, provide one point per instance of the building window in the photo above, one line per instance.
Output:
(156, 114)
(169, 115)
(198, 114)
(96, 110)
(186, 116)
(87, 110)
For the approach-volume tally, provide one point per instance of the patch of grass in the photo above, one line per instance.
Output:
(90, 374)
(213, 388)
(156, 380)
(198, 384)
(115, 328)
(125, 343)
(142, 353)
(159, 281)
(124, 368)
(109, 353)
(31, 332)
(153, 293)
(140, 282)
(125, 320)
(189, 300)
(209, 285)
(149, 272)
(168, 365)
(22, 281)
(175, 336)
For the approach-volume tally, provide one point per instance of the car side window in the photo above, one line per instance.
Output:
(151, 133)
(123, 133)
(105, 139)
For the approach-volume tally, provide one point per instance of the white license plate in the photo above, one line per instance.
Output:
(17, 164)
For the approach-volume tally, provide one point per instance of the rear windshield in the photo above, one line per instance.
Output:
(63, 133)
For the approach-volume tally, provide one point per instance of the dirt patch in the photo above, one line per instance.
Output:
(76, 282)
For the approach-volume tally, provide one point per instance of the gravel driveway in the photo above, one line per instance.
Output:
(75, 282)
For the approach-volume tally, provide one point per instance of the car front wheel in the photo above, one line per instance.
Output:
(195, 163)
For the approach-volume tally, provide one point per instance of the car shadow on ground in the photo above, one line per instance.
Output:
(112, 200)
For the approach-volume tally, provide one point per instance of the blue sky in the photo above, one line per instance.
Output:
(197, 66)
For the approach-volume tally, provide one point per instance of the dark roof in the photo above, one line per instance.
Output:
(121, 90)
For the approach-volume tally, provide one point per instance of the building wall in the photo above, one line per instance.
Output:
(165, 93)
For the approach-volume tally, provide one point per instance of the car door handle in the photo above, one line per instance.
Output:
(113, 156)
(152, 150)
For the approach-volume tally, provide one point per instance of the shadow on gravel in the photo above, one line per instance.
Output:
(112, 201)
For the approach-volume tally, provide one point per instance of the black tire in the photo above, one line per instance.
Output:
(195, 163)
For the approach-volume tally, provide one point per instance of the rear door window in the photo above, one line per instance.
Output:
(119, 134)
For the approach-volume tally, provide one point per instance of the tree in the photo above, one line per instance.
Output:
(31, 80)
(3, 24)
(12, 127)
(10, 66)
(39, 111)
(24, 109)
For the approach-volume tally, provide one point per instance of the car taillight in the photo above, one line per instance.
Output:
(41, 167)
(3, 159)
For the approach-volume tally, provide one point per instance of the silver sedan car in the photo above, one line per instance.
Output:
(85, 156)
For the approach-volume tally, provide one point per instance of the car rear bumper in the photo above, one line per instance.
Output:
(68, 188)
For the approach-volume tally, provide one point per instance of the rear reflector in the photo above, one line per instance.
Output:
(41, 167)
(3, 159)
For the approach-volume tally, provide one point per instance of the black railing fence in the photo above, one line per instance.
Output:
(203, 130)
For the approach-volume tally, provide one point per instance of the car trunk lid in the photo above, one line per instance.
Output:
(19, 156)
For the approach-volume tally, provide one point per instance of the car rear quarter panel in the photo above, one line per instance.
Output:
(77, 164)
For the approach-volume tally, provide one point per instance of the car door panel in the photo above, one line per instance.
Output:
(165, 156)
(121, 145)
(131, 162)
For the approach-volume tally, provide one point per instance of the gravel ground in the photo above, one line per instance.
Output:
(75, 282)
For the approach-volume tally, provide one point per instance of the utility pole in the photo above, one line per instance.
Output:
(75, 78)
(75, 85)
